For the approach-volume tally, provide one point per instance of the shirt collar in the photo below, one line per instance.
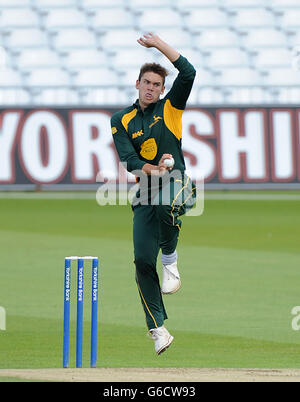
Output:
(147, 109)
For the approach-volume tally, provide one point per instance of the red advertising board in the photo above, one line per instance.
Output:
(228, 145)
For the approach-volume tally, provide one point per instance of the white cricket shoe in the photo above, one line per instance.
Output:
(170, 279)
(162, 339)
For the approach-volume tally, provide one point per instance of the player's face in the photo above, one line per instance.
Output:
(150, 88)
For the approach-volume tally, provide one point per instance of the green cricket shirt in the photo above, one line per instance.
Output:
(143, 137)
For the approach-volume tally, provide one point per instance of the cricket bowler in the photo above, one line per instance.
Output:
(146, 134)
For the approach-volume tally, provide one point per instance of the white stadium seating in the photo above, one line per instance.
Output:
(206, 18)
(64, 18)
(73, 38)
(26, 37)
(111, 18)
(142, 4)
(216, 38)
(31, 58)
(85, 51)
(10, 78)
(159, 18)
(264, 38)
(85, 58)
(228, 57)
(291, 18)
(253, 17)
(48, 77)
(14, 3)
(100, 4)
(244, 3)
(46, 4)
(18, 18)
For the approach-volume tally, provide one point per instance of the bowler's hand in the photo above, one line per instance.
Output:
(161, 166)
(149, 40)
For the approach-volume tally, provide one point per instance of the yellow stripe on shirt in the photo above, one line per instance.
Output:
(127, 118)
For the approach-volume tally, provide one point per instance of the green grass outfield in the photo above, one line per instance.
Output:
(240, 268)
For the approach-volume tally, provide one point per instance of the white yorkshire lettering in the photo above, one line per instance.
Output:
(246, 145)
(44, 147)
(283, 164)
(197, 127)
(242, 137)
(92, 146)
(8, 134)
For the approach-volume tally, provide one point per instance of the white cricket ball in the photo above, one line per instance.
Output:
(169, 163)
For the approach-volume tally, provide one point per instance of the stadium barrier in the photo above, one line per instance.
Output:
(233, 147)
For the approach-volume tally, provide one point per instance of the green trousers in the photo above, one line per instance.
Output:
(155, 228)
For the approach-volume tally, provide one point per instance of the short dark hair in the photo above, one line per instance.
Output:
(154, 68)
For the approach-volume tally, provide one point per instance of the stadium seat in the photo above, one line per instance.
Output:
(206, 18)
(282, 76)
(206, 96)
(282, 4)
(134, 58)
(176, 37)
(239, 77)
(18, 18)
(104, 96)
(264, 37)
(232, 4)
(64, 18)
(291, 19)
(109, 18)
(13, 97)
(85, 58)
(204, 78)
(12, 91)
(268, 58)
(294, 38)
(102, 77)
(129, 76)
(55, 96)
(253, 17)
(216, 38)
(159, 18)
(48, 78)
(73, 38)
(22, 38)
(193, 55)
(287, 95)
(10, 78)
(228, 57)
(246, 95)
(37, 58)
(119, 39)
(185, 5)
(94, 4)
(14, 3)
(142, 4)
(47, 4)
